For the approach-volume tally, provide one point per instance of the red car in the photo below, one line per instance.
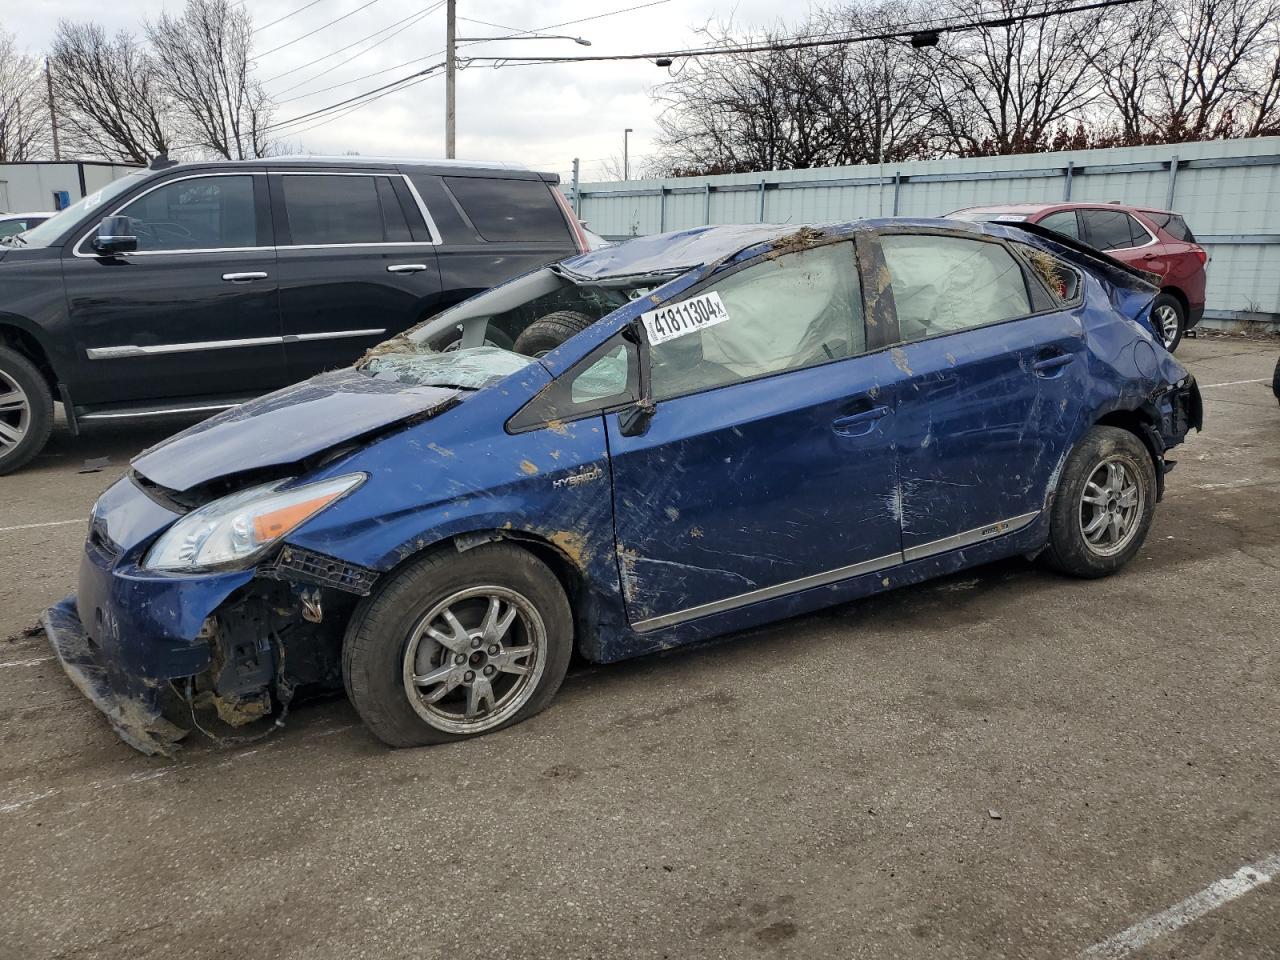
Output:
(1157, 241)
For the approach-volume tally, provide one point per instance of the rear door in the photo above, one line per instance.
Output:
(994, 391)
(1123, 236)
(357, 263)
(194, 311)
(768, 466)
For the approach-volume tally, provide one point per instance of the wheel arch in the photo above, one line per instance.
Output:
(18, 335)
(1143, 424)
(1177, 294)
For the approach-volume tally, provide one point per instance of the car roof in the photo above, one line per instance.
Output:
(500, 168)
(1026, 209)
(30, 213)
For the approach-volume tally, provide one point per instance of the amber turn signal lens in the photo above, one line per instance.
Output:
(269, 526)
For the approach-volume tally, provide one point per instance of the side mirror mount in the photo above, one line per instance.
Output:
(115, 235)
(634, 421)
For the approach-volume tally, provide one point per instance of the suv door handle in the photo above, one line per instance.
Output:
(1049, 366)
(1151, 256)
(243, 277)
(406, 267)
(859, 424)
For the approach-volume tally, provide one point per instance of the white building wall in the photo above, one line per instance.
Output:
(29, 187)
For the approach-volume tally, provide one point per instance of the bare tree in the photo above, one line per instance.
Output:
(1128, 65)
(203, 60)
(25, 129)
(108, 94)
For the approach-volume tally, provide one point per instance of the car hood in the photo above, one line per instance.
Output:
(289, 426)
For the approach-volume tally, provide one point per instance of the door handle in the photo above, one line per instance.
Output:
(859, 424)
(243, 277)
(406, 267)
(1050, 366)
(1150, 256)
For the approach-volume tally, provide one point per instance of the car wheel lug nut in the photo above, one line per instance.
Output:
(469, 676)
(460, 659)
(488, 671)
(493, 650)
(475, 642)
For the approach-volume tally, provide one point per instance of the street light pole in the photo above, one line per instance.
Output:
(450, 66)
(626, 164)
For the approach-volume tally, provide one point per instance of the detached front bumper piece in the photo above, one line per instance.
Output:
(131, 704)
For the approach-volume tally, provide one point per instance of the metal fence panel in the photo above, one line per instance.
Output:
(1229, 192)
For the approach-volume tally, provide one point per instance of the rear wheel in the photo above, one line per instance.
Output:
(546, 333)
(456, 645)
(26, 411)
(1104, 504)
(1169, 319)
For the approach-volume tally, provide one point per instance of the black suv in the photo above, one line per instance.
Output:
(193, 287)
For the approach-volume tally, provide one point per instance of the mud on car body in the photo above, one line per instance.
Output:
(695, 433)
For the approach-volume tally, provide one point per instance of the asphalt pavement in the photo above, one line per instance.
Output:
(1002, 763)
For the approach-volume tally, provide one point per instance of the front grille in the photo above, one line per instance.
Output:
(306, 566)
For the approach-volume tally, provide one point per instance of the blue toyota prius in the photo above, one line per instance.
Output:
(642, 446)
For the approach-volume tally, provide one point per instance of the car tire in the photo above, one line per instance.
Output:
(546, 333)
(1169, 319)
(1103, 505)
(391, 640)
(26, 411)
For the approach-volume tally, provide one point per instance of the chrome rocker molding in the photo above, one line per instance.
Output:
(131, 350)
(155, 412)
(977, 535)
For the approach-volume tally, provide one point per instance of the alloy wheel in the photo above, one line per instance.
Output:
(1166, 317)
(475, 659)
(15, 413)
(1111, 507)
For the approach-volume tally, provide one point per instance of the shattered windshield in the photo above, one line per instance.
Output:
(491, 336)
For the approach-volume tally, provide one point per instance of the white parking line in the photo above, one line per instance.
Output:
(33, 526)
(25, 663)
(1212, 897)
(1232, 383)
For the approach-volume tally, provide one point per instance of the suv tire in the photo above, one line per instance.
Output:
(546, 333)
(26, 410)
(1103, 506)
(1169, 320)
(436, 617)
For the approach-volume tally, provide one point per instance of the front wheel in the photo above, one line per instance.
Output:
(1104, 504)
(1169, 319)
(26, 411)
(456, 645)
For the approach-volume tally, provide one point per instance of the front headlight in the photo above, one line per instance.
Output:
(237, 527)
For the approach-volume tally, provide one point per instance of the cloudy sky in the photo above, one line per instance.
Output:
(543, 116)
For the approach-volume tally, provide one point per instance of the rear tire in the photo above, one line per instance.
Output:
(1103, 506)
(546, 333)
(437, 618)
(26, 411)
(1169, 319)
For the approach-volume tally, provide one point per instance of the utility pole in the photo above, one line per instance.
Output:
(450, 66)
(53, 110)
(626, 164)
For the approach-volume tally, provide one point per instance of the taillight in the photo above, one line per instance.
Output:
(579, 235)
(1201, 254)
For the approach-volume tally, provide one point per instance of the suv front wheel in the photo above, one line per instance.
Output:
(26, 410)
(1169, 319)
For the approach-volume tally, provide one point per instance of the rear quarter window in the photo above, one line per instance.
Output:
(1173, 225)
(510, 209)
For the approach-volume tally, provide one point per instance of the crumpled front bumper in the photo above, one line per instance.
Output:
(131, 703)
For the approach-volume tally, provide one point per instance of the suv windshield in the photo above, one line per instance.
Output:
(504, 329)
(53, 229)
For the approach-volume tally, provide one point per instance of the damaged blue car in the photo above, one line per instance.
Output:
(694, 433)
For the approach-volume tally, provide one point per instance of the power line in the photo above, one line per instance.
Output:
(382, 90)
(799, 44)
(310, 33)
(286, 16)
(354, 43)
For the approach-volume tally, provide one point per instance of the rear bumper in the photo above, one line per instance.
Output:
(1194, 315)
(131, 703)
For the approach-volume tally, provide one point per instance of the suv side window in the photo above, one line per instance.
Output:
(1064, 222)
(795, 311)
(195, 213)
(329, 209)
(943, 284)
(502, 209)
(1113, 230)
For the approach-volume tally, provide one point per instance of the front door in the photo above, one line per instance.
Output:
(194, 311)
(767, 467)
(995, 387)
(357, 265)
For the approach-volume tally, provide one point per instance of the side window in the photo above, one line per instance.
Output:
(334, 209)
(510, 209)
(606, 377)
(395, 226)
(1113, 229)
(1062, 280)
(199, 213)
(1064, 222)
(795, 311)
(943, 284)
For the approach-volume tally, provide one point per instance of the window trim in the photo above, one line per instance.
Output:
(1027, 273)
(413, 192)
(715, 277)
(76, 251)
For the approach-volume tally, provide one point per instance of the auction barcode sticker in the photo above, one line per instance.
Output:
(687, 316)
